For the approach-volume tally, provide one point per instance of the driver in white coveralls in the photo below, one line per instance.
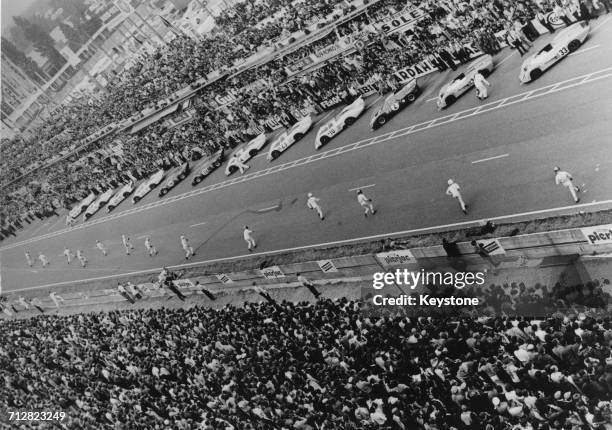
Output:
(481, 85)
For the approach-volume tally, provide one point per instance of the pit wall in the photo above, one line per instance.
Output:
(515, 252)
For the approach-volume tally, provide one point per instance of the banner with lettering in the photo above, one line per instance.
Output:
(401, 21)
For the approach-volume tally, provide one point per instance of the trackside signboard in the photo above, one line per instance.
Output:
(272, 272)
(395, 258)
(598, 235)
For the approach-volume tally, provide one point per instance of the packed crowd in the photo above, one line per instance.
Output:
(332, 364)
(259, 93)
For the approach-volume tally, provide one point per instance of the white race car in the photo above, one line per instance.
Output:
(80, 207)
(245, 153)
(566, 41)
(96, 205)
(450, 92)
(150, 183)
(289, 137)
(346, 117)
(120, 196)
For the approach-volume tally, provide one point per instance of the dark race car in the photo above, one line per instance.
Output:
(213, 162)
(394, 103)
(175, 178)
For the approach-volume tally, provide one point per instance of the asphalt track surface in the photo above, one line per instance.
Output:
(501, 151)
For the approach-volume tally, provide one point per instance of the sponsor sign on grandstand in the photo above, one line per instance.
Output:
(402, 21)
(272, 272)
(334, 49)
(334, 101)
(183, 283)
(422, 68)
(327, 266)
(370, 87)
(299, 65)
(426, 67)
(493, 247)
(180, 118)
(396, 258)
(598, 235)
(224, 278)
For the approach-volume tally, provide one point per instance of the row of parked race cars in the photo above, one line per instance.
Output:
(565, 42)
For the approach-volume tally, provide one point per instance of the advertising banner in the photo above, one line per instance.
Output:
(224, 278)
(401, 21)
(183, 283)
(299, 65)
(493, 247)
(272, 272)
(327, 266)
(396, 258)
(598, 235)
(423, 68)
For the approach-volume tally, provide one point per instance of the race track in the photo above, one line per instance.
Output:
(501, 151)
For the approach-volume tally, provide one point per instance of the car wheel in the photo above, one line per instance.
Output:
(275, 154)
(381, 120)
(232, 169)
(163, 192)
(125, 195)
(350, 120)
(110, 208)
(197, 180)
(136, 199)
(411, 97)
(395, 106)
(573, 45)
(535, 74)
(297, 137)
(253, 152)
(485, 72)
(450, 100)
(324, 140)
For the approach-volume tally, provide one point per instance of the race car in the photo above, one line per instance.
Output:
(289, 137)
(120, 196)
(245, 153)
(213, 162)
(450, 92)
(175, 178)
(346, 117)
(392, 105)
(149, 183)
(566, 41)
(97, 204)
(80, 207)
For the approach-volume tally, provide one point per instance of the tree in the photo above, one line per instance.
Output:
(20, 59)
(42, 41)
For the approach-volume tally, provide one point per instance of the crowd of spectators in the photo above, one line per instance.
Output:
(258, 94)
(333, 364)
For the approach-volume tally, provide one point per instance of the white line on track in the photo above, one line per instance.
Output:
(267, 209)
(584, 50)
(506, 58)
(361, 188)
(490, 158)
(464, 224)
(142, 237)
(431, 99)
(602, 23)
(364, 143)
(200, 223)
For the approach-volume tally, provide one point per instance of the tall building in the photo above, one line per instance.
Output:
(17, 87)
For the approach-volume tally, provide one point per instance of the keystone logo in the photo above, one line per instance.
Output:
(601, 235)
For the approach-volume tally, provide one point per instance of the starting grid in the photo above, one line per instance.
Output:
(468, 113)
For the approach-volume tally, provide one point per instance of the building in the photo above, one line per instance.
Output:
(16, 87)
